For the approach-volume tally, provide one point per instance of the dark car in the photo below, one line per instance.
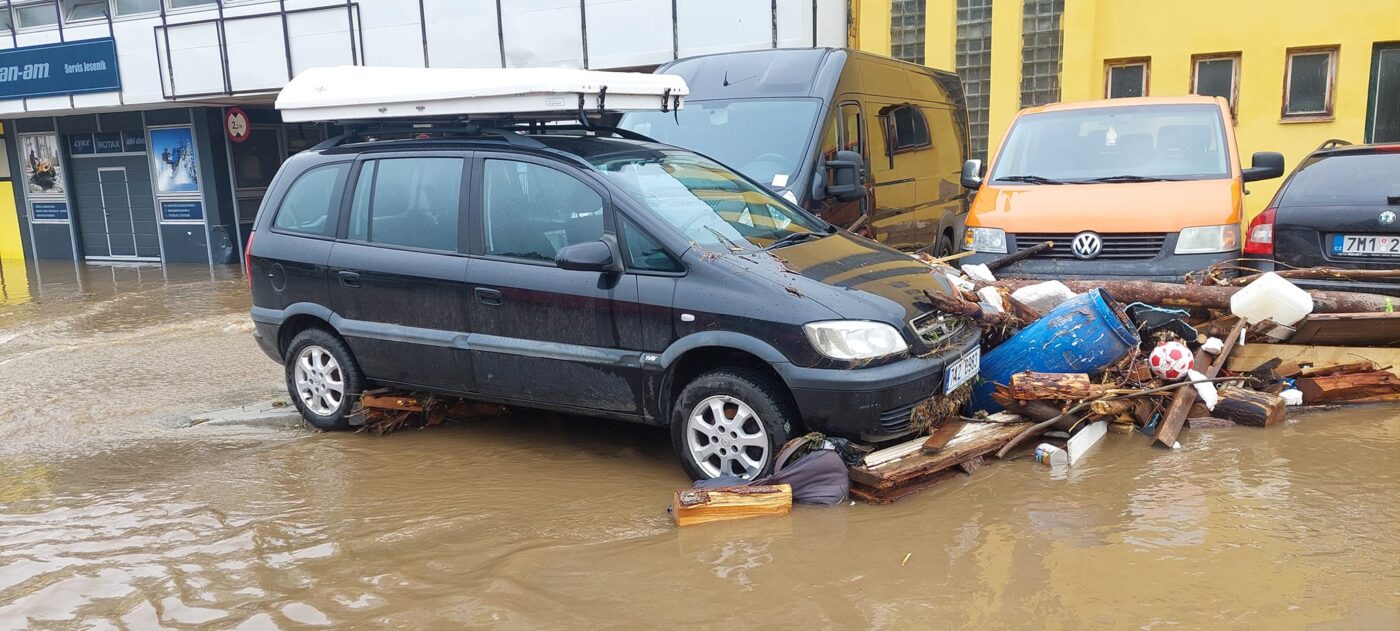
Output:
(1337, 209)
(858, 139)
(598, 275)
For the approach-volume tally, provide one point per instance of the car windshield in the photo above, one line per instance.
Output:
(705, 201)
(1115, 144)
(761, 138)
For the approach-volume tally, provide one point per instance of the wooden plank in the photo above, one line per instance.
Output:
(1247, 358)
(1247, 407)
(1342, 369)
(945, 432)
(975, 439)
(1348, 329)
(698, 506)
(377, 401)
(1175, 416)
(1345, 387)
(890, 496)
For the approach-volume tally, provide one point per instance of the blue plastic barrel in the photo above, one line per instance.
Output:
(1083, 334)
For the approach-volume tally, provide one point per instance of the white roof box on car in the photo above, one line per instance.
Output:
(351, 93)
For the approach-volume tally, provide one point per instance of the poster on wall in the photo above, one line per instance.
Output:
(173, 160)
(42, 169)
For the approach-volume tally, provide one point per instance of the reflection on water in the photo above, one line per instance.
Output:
(111, 516)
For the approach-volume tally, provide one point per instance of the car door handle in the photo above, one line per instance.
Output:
(489, 297)
(350, 279)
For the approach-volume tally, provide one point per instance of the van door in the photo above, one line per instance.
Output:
(398, 274)
(544, 334)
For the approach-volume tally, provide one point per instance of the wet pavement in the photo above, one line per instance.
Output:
(117, 511)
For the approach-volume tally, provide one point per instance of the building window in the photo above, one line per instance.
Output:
(1217, 75)
(131, 7)
(79, 10)
(181, 4)
(907, 30)
(1124, 78)
(1040, 51)
(36, 15)
(973, 59)
(1309, 77)
(1383, 115)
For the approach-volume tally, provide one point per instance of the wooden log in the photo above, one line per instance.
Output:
(1110, 408)
(1202, 297)
(1028, 386)
(1024, 253)
(1208, 422)
(1175, 416)
(969, 309)
(698, 506)
(1325, 273)
(943, 433)
(1038, 411)
(1248, 407)
(1345, 387)
(1247, 358)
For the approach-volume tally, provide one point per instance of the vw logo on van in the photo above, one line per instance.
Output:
(1086, 245)
(1387, 217)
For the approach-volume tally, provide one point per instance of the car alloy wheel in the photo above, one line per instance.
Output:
(724, 436)
(319, 381)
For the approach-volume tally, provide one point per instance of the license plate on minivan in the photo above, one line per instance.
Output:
(1366, 245)
(962, 370)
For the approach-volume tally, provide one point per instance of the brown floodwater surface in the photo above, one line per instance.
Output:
(538, 520)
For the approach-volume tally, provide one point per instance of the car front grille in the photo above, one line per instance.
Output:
(1122, 246)
(897, 420)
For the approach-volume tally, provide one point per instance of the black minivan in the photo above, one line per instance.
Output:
(592, 273)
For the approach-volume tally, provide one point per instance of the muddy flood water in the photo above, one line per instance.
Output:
(117, 510)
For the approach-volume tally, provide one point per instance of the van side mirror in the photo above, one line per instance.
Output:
(1267, 166)
(972, 174)
(845, 168)
(589, 256)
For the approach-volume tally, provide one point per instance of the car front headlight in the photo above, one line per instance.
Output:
(1208, 239)
(985, 240)
(855, 339)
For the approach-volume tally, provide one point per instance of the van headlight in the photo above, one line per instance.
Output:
(854, 339)
(1208, 239)
(985, 240)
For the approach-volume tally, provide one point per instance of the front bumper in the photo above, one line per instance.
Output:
(872, 403)
(1164, 267)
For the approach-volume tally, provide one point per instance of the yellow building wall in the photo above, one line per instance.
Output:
(1170, 33)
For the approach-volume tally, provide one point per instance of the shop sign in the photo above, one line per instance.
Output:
(110, 142)
(80, 144)
(79, 67)
(49, 211)
(236, 124)
(181, 211)
(133, 142)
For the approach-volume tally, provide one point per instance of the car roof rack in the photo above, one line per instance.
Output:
(1332, 143)
(516, 133)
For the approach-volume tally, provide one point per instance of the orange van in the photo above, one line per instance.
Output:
(1145, 188)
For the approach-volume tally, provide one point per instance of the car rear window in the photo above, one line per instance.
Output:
(1346, 179)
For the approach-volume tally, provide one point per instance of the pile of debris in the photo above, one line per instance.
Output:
(1070, 361)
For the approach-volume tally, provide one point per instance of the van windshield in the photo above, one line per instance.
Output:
(706, 202)
(1115, 144)
(761, 138)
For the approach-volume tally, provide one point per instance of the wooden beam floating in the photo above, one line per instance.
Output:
(698, 506)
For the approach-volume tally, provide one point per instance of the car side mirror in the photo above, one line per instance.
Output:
(845, 169)
(589, 256)
(1267, 166)
(972, 174)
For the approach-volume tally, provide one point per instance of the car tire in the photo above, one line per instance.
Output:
(323, 379)
(755, 414)
(945, 246)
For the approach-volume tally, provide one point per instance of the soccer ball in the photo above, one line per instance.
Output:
(1170, 360)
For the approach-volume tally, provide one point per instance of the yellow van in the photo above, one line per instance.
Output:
(1145, 188)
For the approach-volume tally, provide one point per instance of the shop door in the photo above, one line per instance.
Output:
(1383, 119)
(124, 233)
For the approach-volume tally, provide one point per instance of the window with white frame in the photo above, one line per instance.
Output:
(34, 15)
(181, 4)
(1125, 78)
(132, 7)
(79, 10)
(1217, 74)
(1308, 82)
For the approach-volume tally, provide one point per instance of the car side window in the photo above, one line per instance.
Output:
(413, 202)
(643, 252)
(532, 211)
(306, 208)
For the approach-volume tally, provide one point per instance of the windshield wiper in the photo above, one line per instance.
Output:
(1130, 178)
(794, 238)
(733, 247)
(1029, 179)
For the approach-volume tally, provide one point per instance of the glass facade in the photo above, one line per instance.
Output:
(907, 30)
(1040, 51)
(973, 57)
